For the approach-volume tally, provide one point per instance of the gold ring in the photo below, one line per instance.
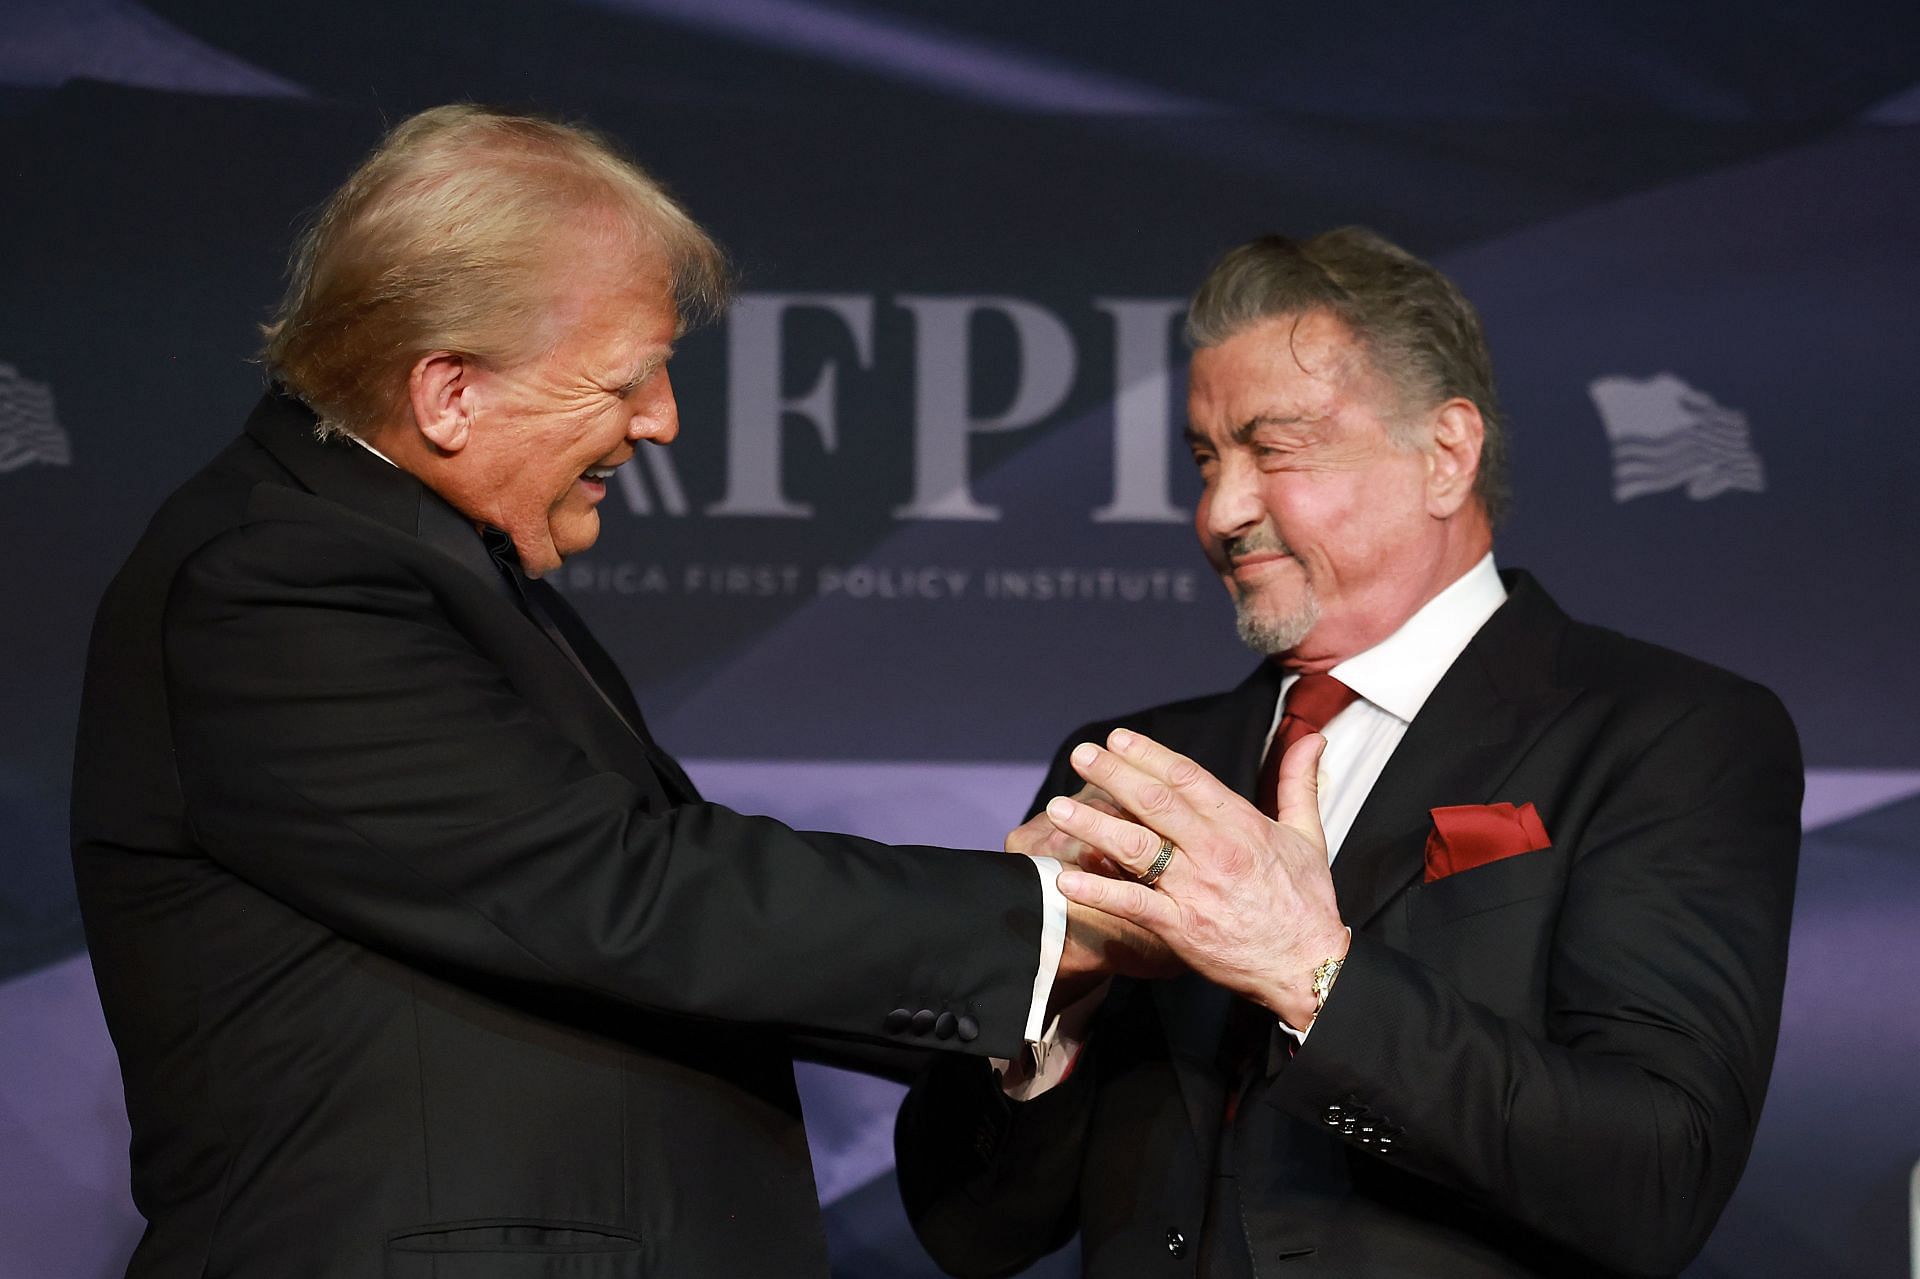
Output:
(1161, 861)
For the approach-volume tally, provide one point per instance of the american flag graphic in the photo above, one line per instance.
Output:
(28, 431)
(1667, 435)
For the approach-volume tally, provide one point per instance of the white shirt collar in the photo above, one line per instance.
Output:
(376, 452)
(1399, 672)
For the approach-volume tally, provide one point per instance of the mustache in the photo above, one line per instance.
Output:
(1258, 542)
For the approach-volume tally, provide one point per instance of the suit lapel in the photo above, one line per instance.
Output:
(345, 473)
(1476, 727)
(1229, 743)
(605, 674)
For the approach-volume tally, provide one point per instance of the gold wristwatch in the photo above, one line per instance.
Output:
(1323, 977)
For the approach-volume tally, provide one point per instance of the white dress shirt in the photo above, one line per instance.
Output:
(1394, 678)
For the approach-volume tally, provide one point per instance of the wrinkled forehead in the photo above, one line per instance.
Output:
(1297, 364)
(608, 294)
(594, 251)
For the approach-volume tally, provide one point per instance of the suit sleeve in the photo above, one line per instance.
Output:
(342, 746)
(1621, 1131)
(992, 1185)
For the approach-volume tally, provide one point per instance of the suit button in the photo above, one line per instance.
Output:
(968, 1029)
(923, 1021)
(945, 1024)
(1176, 1243)
(898, 1020)
(1384, 1143)
(1335, 1113)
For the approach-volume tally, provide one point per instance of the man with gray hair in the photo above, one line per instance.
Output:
(421, 956)
(1485, 909)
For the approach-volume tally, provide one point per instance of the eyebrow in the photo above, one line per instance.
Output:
(1244, 432)
(646, 366)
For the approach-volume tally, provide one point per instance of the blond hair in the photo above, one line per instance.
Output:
(450, 237)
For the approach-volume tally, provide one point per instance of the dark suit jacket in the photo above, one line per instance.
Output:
(421, 961)
(1550, 1064)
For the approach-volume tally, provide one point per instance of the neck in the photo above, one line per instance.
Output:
(1396, 598)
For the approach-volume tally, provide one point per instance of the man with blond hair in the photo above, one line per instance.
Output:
(421, 956)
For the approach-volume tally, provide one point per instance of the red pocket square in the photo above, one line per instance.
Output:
(1470, 835)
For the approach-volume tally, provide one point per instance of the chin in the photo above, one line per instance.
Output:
(1271, 630)
(576, 536)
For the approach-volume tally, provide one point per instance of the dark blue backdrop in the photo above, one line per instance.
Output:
(929, 507)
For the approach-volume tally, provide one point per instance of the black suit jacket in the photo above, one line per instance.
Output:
(1550, 1064)
(421, 958)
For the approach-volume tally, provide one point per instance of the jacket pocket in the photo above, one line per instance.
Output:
(1519, 878)
(514, 1248)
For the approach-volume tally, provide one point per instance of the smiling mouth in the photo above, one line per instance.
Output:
(598, 474)
(1245, 564)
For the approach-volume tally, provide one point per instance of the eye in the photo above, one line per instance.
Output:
(643, 376)
(1268, 456)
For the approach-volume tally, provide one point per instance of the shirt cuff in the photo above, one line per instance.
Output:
(1051, 1059)
(1053, 941)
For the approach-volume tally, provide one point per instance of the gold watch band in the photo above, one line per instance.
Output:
(1324, 975)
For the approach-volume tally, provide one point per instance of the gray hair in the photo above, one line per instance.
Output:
(1417, 329)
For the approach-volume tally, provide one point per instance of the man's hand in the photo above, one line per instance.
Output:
(1039, 837)
(1246, 902)
(1100, 946)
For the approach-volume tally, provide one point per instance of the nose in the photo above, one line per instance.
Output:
(1231, 506)
(657, 419)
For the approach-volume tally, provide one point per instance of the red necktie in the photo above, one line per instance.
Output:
(1311, 703)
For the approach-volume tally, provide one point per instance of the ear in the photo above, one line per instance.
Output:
(1453, 460)
(441, 392)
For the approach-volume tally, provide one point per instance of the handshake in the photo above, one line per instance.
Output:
(1168, 869)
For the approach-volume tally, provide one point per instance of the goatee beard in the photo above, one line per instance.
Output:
(1269, 635)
